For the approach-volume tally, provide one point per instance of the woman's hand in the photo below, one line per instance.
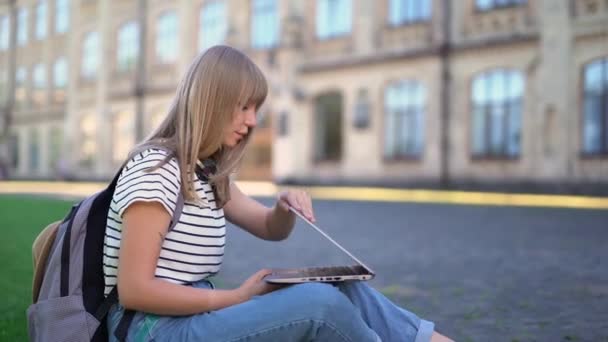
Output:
(299, 200)
(256, 286)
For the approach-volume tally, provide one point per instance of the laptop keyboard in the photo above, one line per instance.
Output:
(331, 271)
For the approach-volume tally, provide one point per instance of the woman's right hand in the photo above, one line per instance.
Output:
(256, 286)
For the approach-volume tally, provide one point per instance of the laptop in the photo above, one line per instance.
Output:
(330, 274)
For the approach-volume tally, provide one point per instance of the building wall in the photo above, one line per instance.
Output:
(550, 42)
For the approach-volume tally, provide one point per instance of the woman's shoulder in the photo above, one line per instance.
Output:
(152, 155)
(152, 158)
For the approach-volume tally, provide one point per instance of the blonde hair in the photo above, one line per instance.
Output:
(216, 82)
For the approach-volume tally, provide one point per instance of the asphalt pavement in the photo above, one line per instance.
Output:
(481, 273)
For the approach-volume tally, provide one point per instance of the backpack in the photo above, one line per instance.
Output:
(68, 284)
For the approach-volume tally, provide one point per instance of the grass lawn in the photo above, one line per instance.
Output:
(21, 219)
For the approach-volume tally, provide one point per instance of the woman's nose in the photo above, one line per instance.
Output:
(250, 118)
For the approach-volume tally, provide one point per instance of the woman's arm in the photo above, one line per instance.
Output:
(267, 223)
(144, 227)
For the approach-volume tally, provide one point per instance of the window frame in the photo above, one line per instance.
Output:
(495, 5)
(42, 22)
(404, 21)
(329, 35)
(221, 23)
(22, 26)
(62, 16)
(162, 37)
(603, 153)
(410, 109)
(90, 56)
(127, 46)
(507, 104)
(266, 13)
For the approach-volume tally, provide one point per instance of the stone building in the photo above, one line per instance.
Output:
(406, 92)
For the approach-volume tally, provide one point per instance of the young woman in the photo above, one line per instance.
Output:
(161, 273)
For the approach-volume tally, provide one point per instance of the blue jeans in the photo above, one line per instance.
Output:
(350, 311)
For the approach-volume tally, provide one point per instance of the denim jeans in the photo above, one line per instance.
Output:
(349, 311)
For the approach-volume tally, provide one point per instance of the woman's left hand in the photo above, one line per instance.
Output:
(299, 199)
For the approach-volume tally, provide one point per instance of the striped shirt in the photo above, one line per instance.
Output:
(194, 249)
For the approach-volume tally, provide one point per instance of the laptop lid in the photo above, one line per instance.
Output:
(332, 240)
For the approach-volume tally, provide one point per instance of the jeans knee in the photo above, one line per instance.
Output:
(325, 301)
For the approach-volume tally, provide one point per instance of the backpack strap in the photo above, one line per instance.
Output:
(65, 254)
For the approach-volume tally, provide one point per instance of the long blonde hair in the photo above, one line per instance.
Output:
(217, 81)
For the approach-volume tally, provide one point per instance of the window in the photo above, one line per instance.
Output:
(20, 76)
(20, 85)
(409, 11)
(212, 25)
(128, 46)
(497, 109)
(334, 18)
(265, 24)
(22, 26)
(90, 55)
(62, 16)
(404, 113)
(88, 145)
(488, 5)
(60, 73)
(122, 135)
(34, 150)
(41, 22)
(60, 79)
(328, 131)
(4, 32)
(14, 142)
(166, 37)
(39, 77)
(595, 107)
(3, 87)
(55, 139)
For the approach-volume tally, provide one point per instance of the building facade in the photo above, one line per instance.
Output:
(385, 92)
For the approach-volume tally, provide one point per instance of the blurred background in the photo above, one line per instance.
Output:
(434, 93)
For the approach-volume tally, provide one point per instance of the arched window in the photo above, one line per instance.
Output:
(166, 37)
(264, 24)
(333, 18)
(408, 11)
(213, 28)
(62, 16)
(595, 107)
(404, 113)
(128, 46)
(497, 110)
(41, 22)
(90, 55)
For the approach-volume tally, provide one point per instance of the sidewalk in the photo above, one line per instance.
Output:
(368, 194)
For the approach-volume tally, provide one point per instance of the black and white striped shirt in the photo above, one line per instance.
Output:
(194, 249)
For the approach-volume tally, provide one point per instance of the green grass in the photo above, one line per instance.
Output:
(21, 219)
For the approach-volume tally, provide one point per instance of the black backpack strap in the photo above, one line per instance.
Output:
(123, 326)
(65, 253)
(107, 303)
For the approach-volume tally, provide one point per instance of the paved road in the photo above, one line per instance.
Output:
(480, 273)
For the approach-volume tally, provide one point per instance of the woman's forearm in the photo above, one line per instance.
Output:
(160, 297)
(279, 223)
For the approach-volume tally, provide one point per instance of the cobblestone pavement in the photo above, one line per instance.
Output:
(480, 273)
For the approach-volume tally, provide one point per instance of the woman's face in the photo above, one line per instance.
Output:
(243, 119)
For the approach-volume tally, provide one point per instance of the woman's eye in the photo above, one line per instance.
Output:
(245, 108)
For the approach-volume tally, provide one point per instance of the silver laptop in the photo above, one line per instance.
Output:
(320, 274)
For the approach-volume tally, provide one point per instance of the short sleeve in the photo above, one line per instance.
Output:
(136, 183)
